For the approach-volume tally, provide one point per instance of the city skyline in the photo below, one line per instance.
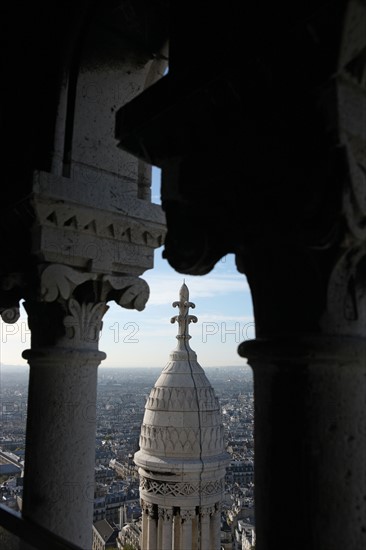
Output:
(140, 339)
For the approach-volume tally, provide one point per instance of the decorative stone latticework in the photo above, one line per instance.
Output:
(181, 458)
(154, 487)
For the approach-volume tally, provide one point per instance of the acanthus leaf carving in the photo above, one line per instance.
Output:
(59, 281)
(131, 292)
(84, 323)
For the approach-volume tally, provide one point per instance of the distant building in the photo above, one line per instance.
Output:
(9, 470)
(241, 472)
(125, 470)
(6, 457)
(103, 457)
(244, 535)
(113, 503)
(130, 534)
(104, 535)
(103, 474)
(226, 538)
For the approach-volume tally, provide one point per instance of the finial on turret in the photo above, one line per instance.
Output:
(183, 319)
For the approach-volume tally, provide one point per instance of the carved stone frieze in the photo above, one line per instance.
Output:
(94, 227)
(165, 398)
(181, 441)
(93, 222)
(181, 489)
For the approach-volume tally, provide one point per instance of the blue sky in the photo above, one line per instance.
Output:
(143, 339)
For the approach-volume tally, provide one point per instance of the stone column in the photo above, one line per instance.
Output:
(186, 519)
(215, 528)
(152, 534)
(204, 529)
(65, 319)
(310, 444)
(144, 526)
(60, 448)
(195, 533)
(165, 522)
(177, 534)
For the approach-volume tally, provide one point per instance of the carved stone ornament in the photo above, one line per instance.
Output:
(10, 315)
(207, 511)
(187, 515)
(165, 514)
(70, 305)
(60, 280)
(184, 319)
(167, 398)
(162, 488)
(150, 510)
(84, 323)
(92, 222)
(346, 293)
(131, 292)
(181, 441)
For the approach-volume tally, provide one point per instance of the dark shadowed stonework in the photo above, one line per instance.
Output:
(260, 130)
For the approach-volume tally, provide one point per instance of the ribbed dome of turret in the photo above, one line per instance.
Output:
(182, 422)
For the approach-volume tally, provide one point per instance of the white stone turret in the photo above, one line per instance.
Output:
(181, 460)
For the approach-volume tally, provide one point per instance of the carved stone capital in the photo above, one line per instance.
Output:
(59, 281)
(165, 514)
(187, 514)
(150, 510)
(207, 511)
(68, 308)
(65, 323)
(84, 323)
(129, 292)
